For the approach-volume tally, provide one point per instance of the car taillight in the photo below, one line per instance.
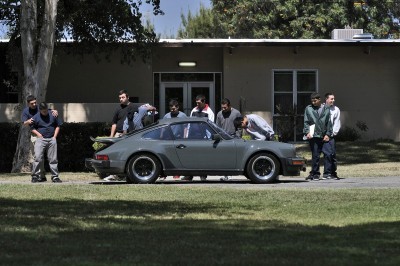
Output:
(101, 157)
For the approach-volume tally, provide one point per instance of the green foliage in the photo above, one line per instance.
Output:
(202, 25)
(296, 19)
(97, 145)
(73, 143)
(8, 143)
(347, 133)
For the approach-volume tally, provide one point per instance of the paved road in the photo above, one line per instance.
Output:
(286, 182)
(241, 182)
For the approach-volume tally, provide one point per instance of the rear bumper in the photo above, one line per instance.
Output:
(294, 166)
(105, 166)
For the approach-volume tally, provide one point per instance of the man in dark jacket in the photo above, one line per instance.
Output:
(317, 129)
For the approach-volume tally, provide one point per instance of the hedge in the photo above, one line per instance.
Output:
(74, 144)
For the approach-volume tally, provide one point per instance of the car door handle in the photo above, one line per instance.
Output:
(181, 146)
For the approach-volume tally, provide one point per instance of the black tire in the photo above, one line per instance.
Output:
(143, 169)
(263, 168)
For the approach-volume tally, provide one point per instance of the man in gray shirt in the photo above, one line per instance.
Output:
(226, 116)
(225, 119)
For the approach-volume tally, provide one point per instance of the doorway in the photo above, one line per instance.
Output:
(185, 93)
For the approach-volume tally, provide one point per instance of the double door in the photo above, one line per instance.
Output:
(185, 93)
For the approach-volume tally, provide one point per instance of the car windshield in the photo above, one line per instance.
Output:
(220, 131)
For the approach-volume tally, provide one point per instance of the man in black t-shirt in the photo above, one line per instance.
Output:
(120, 114)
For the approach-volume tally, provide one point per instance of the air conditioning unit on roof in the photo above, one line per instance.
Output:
(343, 34)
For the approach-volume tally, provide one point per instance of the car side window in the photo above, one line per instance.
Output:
(179, 130)
(159, 134)
(199, 130)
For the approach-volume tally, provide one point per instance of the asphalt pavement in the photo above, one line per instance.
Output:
(241, 182)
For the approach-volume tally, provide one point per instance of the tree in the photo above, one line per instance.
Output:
(296, 19)
(203, 25)
(94, 25)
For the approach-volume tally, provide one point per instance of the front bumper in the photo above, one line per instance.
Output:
(294, 166)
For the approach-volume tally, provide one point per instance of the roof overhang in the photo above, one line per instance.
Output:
(275, 42)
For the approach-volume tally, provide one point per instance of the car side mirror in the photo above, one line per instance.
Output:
(216, 137)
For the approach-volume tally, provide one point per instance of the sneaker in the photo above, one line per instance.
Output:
(109, 178)
(34, 179)
(316, 178)
(325, 177)
(225, 178)
(187, 178)
(56, 179)
(310, 177)
(176, 177)
(203, 178)
(42, 179)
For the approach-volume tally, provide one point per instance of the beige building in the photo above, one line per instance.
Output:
(273, 78)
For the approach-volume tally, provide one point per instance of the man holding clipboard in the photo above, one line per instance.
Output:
(317, 129)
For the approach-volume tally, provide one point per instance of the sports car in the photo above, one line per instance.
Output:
(192, 147)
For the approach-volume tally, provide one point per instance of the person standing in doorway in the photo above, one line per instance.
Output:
(202, 109)
(27, 119)
(46, 128)
(175, 113)
(225, 119)
(317, 129)
(329, 148)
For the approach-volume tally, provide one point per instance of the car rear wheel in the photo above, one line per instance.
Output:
(263, 168)
(143, 169)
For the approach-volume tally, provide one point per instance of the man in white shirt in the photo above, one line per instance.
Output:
(255, 126)
(330, 164)
(201, 110)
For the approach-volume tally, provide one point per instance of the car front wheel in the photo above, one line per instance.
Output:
(263, 168)
(143, 169)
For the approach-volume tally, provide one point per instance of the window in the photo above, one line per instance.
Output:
(292, 90)
(199, 130)
(159, 134)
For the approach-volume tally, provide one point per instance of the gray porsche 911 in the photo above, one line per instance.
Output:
(192, 147)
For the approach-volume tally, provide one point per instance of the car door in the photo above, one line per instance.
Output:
(197, 150)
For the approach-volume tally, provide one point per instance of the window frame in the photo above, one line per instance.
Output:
(295, 92)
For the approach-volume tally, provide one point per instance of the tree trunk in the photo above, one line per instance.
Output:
(37, 45)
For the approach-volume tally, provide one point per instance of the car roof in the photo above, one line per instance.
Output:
(166, 121)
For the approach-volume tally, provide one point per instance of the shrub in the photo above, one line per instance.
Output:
(74, 144)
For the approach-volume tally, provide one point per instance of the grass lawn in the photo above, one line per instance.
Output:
(165, 225)
(80, 224)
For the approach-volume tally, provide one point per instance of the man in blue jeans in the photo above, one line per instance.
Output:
(317, 130)
(329, 148)
(46, 127)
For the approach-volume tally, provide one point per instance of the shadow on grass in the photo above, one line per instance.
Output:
(79, 232)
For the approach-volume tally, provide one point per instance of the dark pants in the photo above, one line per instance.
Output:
(316, 146)
(330, 164)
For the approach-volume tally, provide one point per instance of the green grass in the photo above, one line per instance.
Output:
(170, 225)
(359, 152)
(82, 224)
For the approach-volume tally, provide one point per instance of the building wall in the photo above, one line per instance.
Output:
(366, 85)
(84, 80)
